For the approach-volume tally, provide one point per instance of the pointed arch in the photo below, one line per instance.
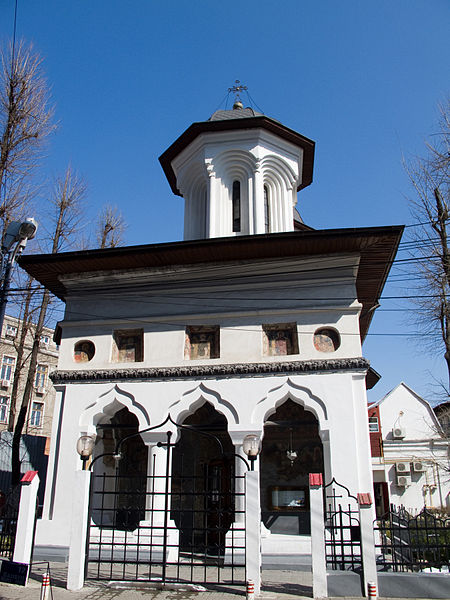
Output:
(300, 394)
(107, 404)
(193, 399)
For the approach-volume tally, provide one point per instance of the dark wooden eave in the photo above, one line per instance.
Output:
(376, 247)
(261, 122)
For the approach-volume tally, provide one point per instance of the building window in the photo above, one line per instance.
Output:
(45, 340)
(4, 409)
(266, 210)
(373, 425)
(7, 370)
(128, 345)
(202, 342)
(280, 339)
(37, 413)
(83, 351)
(326, 340)
(10, 331)
(236, 206)
(40, 377)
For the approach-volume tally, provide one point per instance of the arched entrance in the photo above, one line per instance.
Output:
(202, 483)
(119, 491)
(291, 449)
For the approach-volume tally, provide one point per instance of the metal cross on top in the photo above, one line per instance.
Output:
(237, 88)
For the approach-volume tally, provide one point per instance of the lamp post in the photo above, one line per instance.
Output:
(18, 233)
(85, 447)
(251, 448)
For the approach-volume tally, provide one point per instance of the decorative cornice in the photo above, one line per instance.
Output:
(213, 370)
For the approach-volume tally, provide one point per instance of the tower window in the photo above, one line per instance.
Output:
(236, 206)
(266, 209)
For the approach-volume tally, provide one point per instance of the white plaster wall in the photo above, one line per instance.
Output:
(304, 292)
(337, 399)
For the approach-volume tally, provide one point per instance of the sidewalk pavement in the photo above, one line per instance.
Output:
(278, 585)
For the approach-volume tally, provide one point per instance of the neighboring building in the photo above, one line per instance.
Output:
(410, 453)
(252, 325)
(37, 430)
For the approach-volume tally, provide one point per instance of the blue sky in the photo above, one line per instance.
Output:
(362, 79)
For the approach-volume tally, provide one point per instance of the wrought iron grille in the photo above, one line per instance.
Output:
(9, 512)
(407, 543)
(184, 526)
(342, 529)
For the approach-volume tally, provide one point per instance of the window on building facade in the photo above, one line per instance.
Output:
(4, 409)
(7, 370)
(37, 414)
(40, 378)
(326, 340)
(83, 351)
(202, 342)
(45, 340)
(266, 209)
(10, 331)
(280, 339)
(236, 199)
(128, 345)
(373, 425)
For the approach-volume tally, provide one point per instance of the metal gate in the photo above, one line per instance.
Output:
(9, 512)
(186, 524)
(342, 529)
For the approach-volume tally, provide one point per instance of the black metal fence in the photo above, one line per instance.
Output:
(412, 543)
(9, 512)
(190, 532)
(342, 529)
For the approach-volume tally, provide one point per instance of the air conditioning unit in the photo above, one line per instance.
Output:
(419, 466)
(398, 433)
(5, 383)
(403, 480)
(402, 467)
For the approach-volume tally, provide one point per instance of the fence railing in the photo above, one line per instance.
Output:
(9, 512)
(412, 543)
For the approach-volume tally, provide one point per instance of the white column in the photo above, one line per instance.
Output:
(369, 564)
(212, 213)
(80, 512)
(319, 566)
(25, 520)
(152, 528)
(253, 529)
(258, 200)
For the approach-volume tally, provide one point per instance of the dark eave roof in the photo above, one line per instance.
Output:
(376, 246)
(232, 124)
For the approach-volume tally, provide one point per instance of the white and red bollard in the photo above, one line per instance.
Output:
(250, 590)
(372, 589)
(45, 586)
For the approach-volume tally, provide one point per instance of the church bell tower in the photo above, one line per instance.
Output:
(239, 173)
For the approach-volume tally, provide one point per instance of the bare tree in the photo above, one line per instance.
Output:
(25, 122)
(110, 227)
(68, 193)
(430, 206)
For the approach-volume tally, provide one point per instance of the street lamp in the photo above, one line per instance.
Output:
(251, 448)
(85, 447)
(17, 232)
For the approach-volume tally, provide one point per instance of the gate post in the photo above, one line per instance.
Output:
(78, 533)
(318, 557)
(26, 518)
(369, 564)
(253, 530)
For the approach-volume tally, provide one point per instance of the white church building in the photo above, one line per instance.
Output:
(251, 326)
